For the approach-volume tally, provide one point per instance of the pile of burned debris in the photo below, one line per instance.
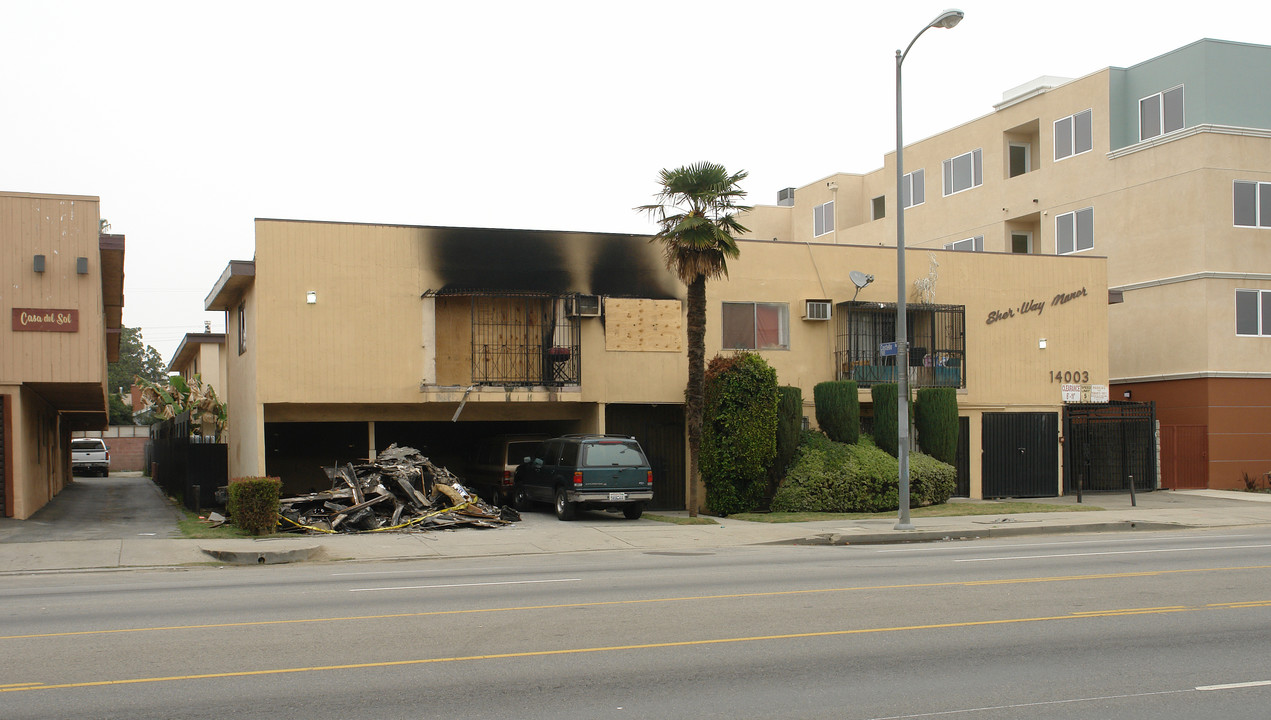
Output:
(400, 491)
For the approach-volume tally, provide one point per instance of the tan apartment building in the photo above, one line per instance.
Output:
(1165, 169)
(344, 338)
(61, 286)
(202, 354)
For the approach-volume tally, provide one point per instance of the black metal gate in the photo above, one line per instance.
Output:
(4, 453)
(1105, 444)
(1020, 455)
(660, 430)
(963, 487)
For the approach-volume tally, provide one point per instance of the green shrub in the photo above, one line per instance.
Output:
(789, 429)
(931, 481)
(253, 504)
(838, 411)
(739, 432)
(885, 420)
(936, 420)
(834, 477)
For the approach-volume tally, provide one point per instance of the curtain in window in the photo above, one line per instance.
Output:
(768, 326)
(739, 326)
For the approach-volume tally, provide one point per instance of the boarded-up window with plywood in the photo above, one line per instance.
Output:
(643, 325)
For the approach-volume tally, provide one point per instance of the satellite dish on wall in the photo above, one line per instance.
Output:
(860, 280)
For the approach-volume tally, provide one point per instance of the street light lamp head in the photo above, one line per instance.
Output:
(947, 19)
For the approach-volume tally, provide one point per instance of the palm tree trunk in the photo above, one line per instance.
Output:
(695, 393)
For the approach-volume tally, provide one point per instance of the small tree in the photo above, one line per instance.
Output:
(936, 419)
(739, 432)
(838, 412)
(885, 417)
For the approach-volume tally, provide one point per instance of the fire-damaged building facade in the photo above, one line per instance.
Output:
(343, 339)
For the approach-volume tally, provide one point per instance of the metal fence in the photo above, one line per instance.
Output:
(187, 467)
(937, 344)
(1105, 444)
(524, 340)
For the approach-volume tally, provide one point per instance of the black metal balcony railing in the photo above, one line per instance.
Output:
(524, 340)
(937, 344)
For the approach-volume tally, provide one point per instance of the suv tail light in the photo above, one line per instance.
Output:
(578, 478)
(507, 478)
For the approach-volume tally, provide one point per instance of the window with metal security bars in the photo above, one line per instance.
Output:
(524, 340)
(937, 344)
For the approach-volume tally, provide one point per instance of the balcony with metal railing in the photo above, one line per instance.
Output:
(937, 344)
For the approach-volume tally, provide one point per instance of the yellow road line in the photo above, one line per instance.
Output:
(609, 648)
(690, 598)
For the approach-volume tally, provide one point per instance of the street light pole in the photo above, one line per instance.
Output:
(947, 19)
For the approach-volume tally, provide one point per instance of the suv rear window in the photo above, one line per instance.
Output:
(88, 445)
(609, 453)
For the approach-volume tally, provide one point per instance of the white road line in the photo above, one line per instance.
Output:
(457, 585)
(1234, 686)
(1111, 552)
(1202, 688)
(964, 548)
(407, 572)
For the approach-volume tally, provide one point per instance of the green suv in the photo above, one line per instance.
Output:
(586, 472)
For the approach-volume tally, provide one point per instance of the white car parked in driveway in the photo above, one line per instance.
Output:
(90, 455)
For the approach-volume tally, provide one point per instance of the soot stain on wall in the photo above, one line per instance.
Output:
(540, 261)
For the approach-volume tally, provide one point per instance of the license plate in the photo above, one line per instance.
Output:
(614, 497)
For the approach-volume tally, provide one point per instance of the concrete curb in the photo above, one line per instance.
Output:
(898, 537)
(266, 557)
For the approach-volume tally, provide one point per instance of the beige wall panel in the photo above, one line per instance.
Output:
(1144, 349)
(361, 341)
(62, 228)
(454, 341)
(246, 425)
(768, 222)
(644, 325)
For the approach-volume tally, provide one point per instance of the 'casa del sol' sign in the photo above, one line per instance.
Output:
(45, 320)
(1033, 306)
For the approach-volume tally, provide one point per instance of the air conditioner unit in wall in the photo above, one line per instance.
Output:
(818, 310)
(583, 306)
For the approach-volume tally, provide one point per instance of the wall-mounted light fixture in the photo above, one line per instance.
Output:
(311, 297)
(39, 263)
(81, 265)
(1126, 394)
(1041, 344)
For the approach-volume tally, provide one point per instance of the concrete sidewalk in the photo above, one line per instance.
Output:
(541, 533)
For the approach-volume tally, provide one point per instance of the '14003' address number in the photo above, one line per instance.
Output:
(1070, 376)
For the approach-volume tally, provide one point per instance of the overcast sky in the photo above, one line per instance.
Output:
(189, 120)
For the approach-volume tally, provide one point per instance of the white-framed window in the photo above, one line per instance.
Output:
(1020, 159)
(1161, 113)
(971, 244)
(823, 219)
(1073, 135)
(756, 326)
(913, 188)
(1252, 203)
(1074, 231)
(1253, 313)
(963, 172)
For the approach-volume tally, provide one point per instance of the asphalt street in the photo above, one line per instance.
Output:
(1159, 625)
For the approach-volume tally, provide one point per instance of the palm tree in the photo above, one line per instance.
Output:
(697, 212)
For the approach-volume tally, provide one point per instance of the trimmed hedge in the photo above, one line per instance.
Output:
(838, 411)
(885, 417)
(789, 429)
(834, 477)
(739, 432)
(253, 504)
(936, 420)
